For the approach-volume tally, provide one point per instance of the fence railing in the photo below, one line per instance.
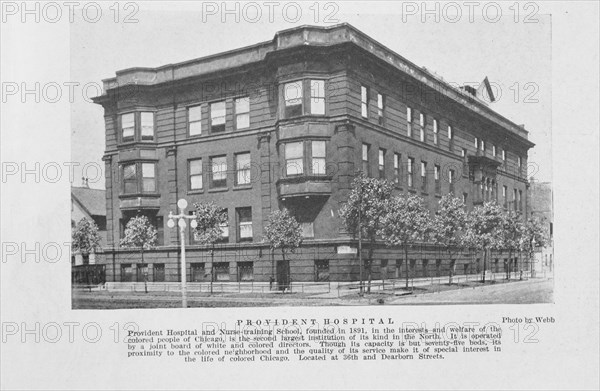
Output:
(221, 287)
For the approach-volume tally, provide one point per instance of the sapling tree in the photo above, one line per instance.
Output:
(363, 214)
(141, 234)
(483, 229)
(283, 232)
(406, 223)
(85, 237)
(210, 219)
(534, 234)
(448, 228)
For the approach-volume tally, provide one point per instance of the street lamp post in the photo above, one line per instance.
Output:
(181, 222)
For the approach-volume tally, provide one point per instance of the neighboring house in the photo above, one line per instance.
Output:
(91, 204)
(288, 123)
(541, 206)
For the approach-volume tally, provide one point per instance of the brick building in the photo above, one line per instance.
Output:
(541, 206)
(288, 123)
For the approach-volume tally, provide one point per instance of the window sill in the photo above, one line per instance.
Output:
(218, 189)
(135, 195)
(412, 190)
(195, 191)
(242, 187)
(424, 193)
(438, 195)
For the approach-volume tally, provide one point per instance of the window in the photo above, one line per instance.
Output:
(308, 230)
(364, 101)
(294, 158)
(147, 126)
(126, 272)
(217, 116)
(293, 98)
(450, 133)
(224, 226)
(397, 160)
(130, 179)
(244, 218)
(195, 120)
(463, 152)
(197, 269)
(422, 122)
(519, 163)
(504, 197)
(158, 270)
(515, 206)
(148, 178)
(411, 164)
(195, 170)
(465, 197)
(435, 131)
(493, 150)
(221, 271)
(520, 201)
(242, 169)
(134, 183)
(365, 159)
(242, 112)
(381, 163)
(409, 120)
(503, 155)
(317, 97)
(451, 180)
(142, 272)
(245, 271)
(424, 176)
(218, 166)
(380, 109)
(321, 271)
(482, 145)
(128, 127)
(318, 163)
(436, 177)
(476, 143)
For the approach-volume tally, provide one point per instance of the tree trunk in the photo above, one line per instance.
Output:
(212, 269)
(509, 263)
(145, 273)
(406, 260)
(369, 266)
(484, 263)
(287, 271)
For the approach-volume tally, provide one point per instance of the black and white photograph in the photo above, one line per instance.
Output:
(227, 186)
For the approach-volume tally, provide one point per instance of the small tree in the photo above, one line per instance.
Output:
(139, 233)
(483, 229)
(510, 236)
(363, 213)
(448, 227)
(85, 237)
(283, 232)
(209, 217)
(406, 222)
(534, 233)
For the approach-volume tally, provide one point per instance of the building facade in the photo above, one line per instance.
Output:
(288, 123)
(90, 204)
(541, 207)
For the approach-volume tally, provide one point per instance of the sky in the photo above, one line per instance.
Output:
(515, 56)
